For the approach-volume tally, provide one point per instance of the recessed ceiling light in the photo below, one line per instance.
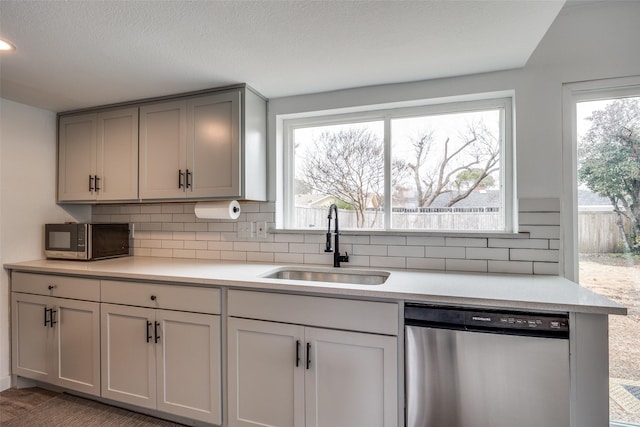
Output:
(5, 45)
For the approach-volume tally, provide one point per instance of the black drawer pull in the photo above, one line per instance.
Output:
(148, 331)
(308, 355)
(156, 332)
(297, 353)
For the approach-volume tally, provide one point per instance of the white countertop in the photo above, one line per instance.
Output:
(528, 292)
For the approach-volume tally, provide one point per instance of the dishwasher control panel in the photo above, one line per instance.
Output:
(496, 321)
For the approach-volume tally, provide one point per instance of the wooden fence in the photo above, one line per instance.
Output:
(597, 230)
(471, 221)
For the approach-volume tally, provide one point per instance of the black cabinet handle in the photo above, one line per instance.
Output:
(51, 287)
(50, 321)
(90, 183)
(157, 325)
(97, 180)
(148, 331)
(308, 355)
(180, 178)
(188, 180)
(297, 353)
(153, 298)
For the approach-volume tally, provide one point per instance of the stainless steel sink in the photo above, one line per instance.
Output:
(356, 277)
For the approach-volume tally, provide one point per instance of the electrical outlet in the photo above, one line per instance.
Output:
(261, 229)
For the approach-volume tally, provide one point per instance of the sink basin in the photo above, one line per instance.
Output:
(356, 277)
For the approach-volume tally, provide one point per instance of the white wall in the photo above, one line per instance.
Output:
(27, 198)
(587, 41)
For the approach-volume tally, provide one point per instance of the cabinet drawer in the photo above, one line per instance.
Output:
(354, 315)
(154, 295)
(57, 286)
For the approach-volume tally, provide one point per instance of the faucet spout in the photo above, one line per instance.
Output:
(337, 258)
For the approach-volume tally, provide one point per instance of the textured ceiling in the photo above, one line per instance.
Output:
(75, 54)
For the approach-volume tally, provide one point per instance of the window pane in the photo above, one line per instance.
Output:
(341, 164)
(446, 172)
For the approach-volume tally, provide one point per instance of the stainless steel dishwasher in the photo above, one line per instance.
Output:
(485, 368)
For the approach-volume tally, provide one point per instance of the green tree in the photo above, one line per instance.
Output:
(609, 164)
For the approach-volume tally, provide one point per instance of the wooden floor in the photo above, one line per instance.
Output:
(31, 407)
(16, 402)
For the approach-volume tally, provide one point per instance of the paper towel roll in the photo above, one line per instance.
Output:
(218, 210)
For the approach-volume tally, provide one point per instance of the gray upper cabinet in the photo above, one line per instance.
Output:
(204, 147)
(98, 156)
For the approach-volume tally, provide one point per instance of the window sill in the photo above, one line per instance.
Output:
(417, 233)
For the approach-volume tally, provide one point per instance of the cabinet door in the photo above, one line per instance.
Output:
(117, 155)
(188, 365)
(32, 340)
(352, 380)
(265, 378)
(213, 141)
(76, 157)
(76, 354)
(163, 139)
(128, 355)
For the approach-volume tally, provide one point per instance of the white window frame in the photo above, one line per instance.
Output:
(501, 100)
(572, 94)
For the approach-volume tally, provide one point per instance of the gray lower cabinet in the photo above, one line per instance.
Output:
(158, 358)
(289, 375)
(56, 339)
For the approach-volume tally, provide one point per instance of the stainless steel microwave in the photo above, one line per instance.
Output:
(86, 242)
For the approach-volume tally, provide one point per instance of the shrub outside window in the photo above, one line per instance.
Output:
(444, 167)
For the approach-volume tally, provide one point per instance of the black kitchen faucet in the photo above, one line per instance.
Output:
(337, 258)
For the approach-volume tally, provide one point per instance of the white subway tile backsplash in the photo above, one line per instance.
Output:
(173, 208)
(246, 246)
(260, 257)
(388, 240)
(426, 263)
(172, 244)
(542, 231)
(287, 258)
(549, 255)
(548, 268)
(444, 252)
(274, 247)
(304, 248)
(208, 235)
(172, 226)
(184, 253)
(517, 267)
(478, 266)
(425, 241)
(323, 258)
(288, 238)
(172, 230)
(150, 209)
(233, 256)
(466, 242)
(377, 250)
(488, 253)
(387, 262)
(213, 255)
(219, 246)
(195, 244)
(406, 251)
(519, 243)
